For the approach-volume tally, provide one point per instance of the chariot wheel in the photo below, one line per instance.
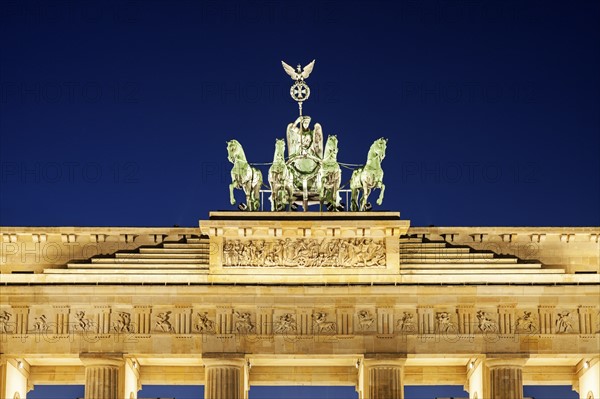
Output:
(305, 181)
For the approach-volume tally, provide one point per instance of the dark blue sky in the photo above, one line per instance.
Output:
(117, 113)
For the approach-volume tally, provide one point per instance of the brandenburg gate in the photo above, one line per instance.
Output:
(340, 295)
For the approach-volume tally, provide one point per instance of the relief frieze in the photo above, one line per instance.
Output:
(388, 320)
(305, 252)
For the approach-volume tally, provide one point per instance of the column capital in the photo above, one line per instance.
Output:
(384, 359)
(105, 359)
(503, 361)
(228, 359)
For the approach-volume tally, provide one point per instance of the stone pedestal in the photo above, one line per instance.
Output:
(225, 376)
(383, 377)
(506, 378)
(102, 372)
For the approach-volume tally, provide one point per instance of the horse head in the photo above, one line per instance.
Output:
(279, 150)
(331, 147)
(378, 149)
(235, 151)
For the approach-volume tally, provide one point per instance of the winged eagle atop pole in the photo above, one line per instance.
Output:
(299, 90)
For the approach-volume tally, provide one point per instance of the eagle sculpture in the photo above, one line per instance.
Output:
(298, 74)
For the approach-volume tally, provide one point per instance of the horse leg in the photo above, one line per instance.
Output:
(355, 186)
(331, 198)
(365, 197)
(290, 197)
(381, 191)
(255, 197)
(272, 201)
(248, 192)
(231, 196)
(281, 199)
(335, 193)
(354, 200)
(282, 192)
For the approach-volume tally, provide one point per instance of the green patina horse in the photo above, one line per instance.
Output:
(329, 177)
(281, 179)
(369, 177)
(243, 176)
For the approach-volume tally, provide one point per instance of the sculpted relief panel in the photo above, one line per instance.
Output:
(5, 322)
(406, 323)
(305, 252)
(243, 323)
(204, 324)
(285, 324)
(366, 320)
(527, 322)
(485, 322)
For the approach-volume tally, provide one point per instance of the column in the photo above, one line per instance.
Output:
(381, 376)
(132, 382)
(14, 378)
(476, 378)
(102, 375)
(506, 377)
(588, 378)
(225, 376)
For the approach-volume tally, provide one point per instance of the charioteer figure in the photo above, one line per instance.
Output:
(305, 156)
